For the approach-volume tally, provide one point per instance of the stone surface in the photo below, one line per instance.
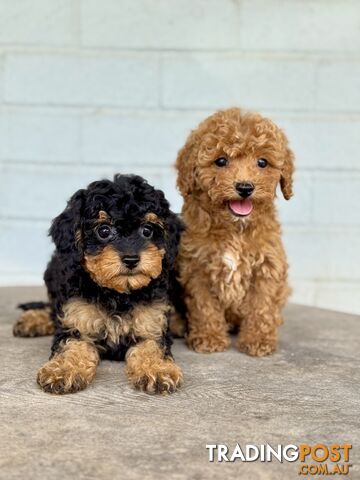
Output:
(308, 392)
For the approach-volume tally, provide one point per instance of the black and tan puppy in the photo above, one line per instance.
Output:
(108, 284)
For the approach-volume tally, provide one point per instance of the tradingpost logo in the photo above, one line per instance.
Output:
(318, 459)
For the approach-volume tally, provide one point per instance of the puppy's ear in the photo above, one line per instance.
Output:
(175, 228)
(185, 164)
(286, 179)
(66, 229)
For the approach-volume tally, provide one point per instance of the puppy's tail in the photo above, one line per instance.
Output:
(33, 306)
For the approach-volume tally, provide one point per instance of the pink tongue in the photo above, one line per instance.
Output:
(241, 207)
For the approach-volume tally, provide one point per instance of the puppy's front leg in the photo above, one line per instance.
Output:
(149, 363)
(206, 317)
(261, 312)
(72, 368)
(151, 370)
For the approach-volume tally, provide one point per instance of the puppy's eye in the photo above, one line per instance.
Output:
(104, 232)
(262, 162)
(221, 162)
(146, 231)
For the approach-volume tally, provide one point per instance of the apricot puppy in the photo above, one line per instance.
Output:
(232, 264)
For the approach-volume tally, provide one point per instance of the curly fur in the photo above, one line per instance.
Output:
(98, 305)
(34, 322)
(233, 269)
(148, 371)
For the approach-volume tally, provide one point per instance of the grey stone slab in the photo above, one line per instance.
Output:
(308, 392)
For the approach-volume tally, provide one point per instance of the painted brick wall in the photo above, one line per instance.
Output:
(91, 87)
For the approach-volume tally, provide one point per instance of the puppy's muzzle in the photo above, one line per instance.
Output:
(130, 261)
(244, 189)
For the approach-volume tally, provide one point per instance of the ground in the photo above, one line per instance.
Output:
(308, 392)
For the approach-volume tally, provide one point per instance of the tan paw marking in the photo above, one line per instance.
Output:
(70, 370)
(149, 371)
(34, 323)
(54, 379)
(166, 378)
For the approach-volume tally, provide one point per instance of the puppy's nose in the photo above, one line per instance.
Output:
(244, 189)
(130, 261)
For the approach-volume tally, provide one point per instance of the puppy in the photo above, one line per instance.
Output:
(232, 264)
(108, 286)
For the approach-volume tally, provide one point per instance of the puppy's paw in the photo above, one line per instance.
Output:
(257, 346)
(55, 377)
(208, 343)
(34, 323)
(163, 378)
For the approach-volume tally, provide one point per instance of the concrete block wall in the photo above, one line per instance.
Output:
(93, 87)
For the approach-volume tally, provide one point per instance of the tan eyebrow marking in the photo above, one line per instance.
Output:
(153, 218)
(103, 217)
